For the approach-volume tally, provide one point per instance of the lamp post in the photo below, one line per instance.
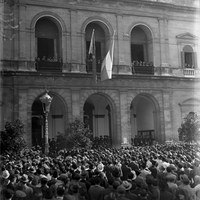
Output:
(46, 101)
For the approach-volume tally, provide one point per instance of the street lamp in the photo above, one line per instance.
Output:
(46, 103)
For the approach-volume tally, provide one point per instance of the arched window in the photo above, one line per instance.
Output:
(141, 50)
(188, 57)
(187, 45)
(138, 45)
(101, 42)
(141, 44)
(48, 45)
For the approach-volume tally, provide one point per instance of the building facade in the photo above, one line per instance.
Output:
(156, 66)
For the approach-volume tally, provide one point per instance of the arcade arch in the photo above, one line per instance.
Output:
(99, 116)
(56, 119)
(144, 118)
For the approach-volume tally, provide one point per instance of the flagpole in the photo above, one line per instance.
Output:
(94, 69)
(92, 51)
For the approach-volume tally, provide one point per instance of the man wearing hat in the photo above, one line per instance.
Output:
(5, 174)
(96, 191)
(5, 179)
(127, 185)
(185, 186)
(121, 193)
(12, 184)
(7, 194)
(22, 185)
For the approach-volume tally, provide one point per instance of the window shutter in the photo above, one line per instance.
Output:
(182, 59)
(195, 60)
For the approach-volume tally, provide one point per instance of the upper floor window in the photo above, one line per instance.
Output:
(141, 44)
(188, 57)
(187, 45)
(141, 50)
(48, 45)
(100, 34)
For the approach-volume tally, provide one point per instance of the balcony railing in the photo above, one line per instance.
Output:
(189, 72)
(144, 137)
(50, 66)
(89, 65)
(142, 68)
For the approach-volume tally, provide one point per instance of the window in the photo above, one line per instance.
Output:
(137, 52)
(188, 57)
(187, 45)
(45, 48)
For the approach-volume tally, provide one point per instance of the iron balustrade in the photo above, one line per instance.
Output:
(48, 66)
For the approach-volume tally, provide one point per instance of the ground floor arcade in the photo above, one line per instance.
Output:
(120, 109)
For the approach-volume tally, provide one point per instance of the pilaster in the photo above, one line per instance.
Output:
(23, 111)
(123, 59)
(75, 104)
(167, 116)
(164, 43)
(125, 118)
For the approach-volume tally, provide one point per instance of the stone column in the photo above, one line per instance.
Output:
(23, 111)
(167, 116)
(76, 104)
(125, 119)
(1, 65)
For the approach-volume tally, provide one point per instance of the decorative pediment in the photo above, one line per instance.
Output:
(186, 36)
(191, 101)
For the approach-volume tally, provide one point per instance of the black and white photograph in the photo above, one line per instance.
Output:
(100, 99)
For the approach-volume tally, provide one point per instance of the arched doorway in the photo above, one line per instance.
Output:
(98, 115)
(144, 119)
(56, 119)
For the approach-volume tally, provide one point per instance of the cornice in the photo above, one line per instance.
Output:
(109, 4)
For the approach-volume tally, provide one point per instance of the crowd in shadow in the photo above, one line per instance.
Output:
(147, 172)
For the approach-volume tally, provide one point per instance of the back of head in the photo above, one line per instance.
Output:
(197, 179)
(7, 194)
(115, 184)
(60, 191)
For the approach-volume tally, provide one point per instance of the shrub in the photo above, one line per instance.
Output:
(77, 136)
(190, 128)
(12, 140)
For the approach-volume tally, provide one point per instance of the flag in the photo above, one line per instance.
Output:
(91, 51)
(107, 64)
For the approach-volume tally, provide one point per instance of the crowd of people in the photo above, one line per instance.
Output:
(151, 172)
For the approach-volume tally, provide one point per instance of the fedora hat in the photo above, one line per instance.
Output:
(24, 178)
(100, 167)
(5, 174)
(127, 185)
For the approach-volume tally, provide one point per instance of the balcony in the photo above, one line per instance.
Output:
(135, 69)
(189, 72)
(50, 66)
(142, 68)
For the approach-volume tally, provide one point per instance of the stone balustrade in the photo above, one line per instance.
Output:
(31, 66)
